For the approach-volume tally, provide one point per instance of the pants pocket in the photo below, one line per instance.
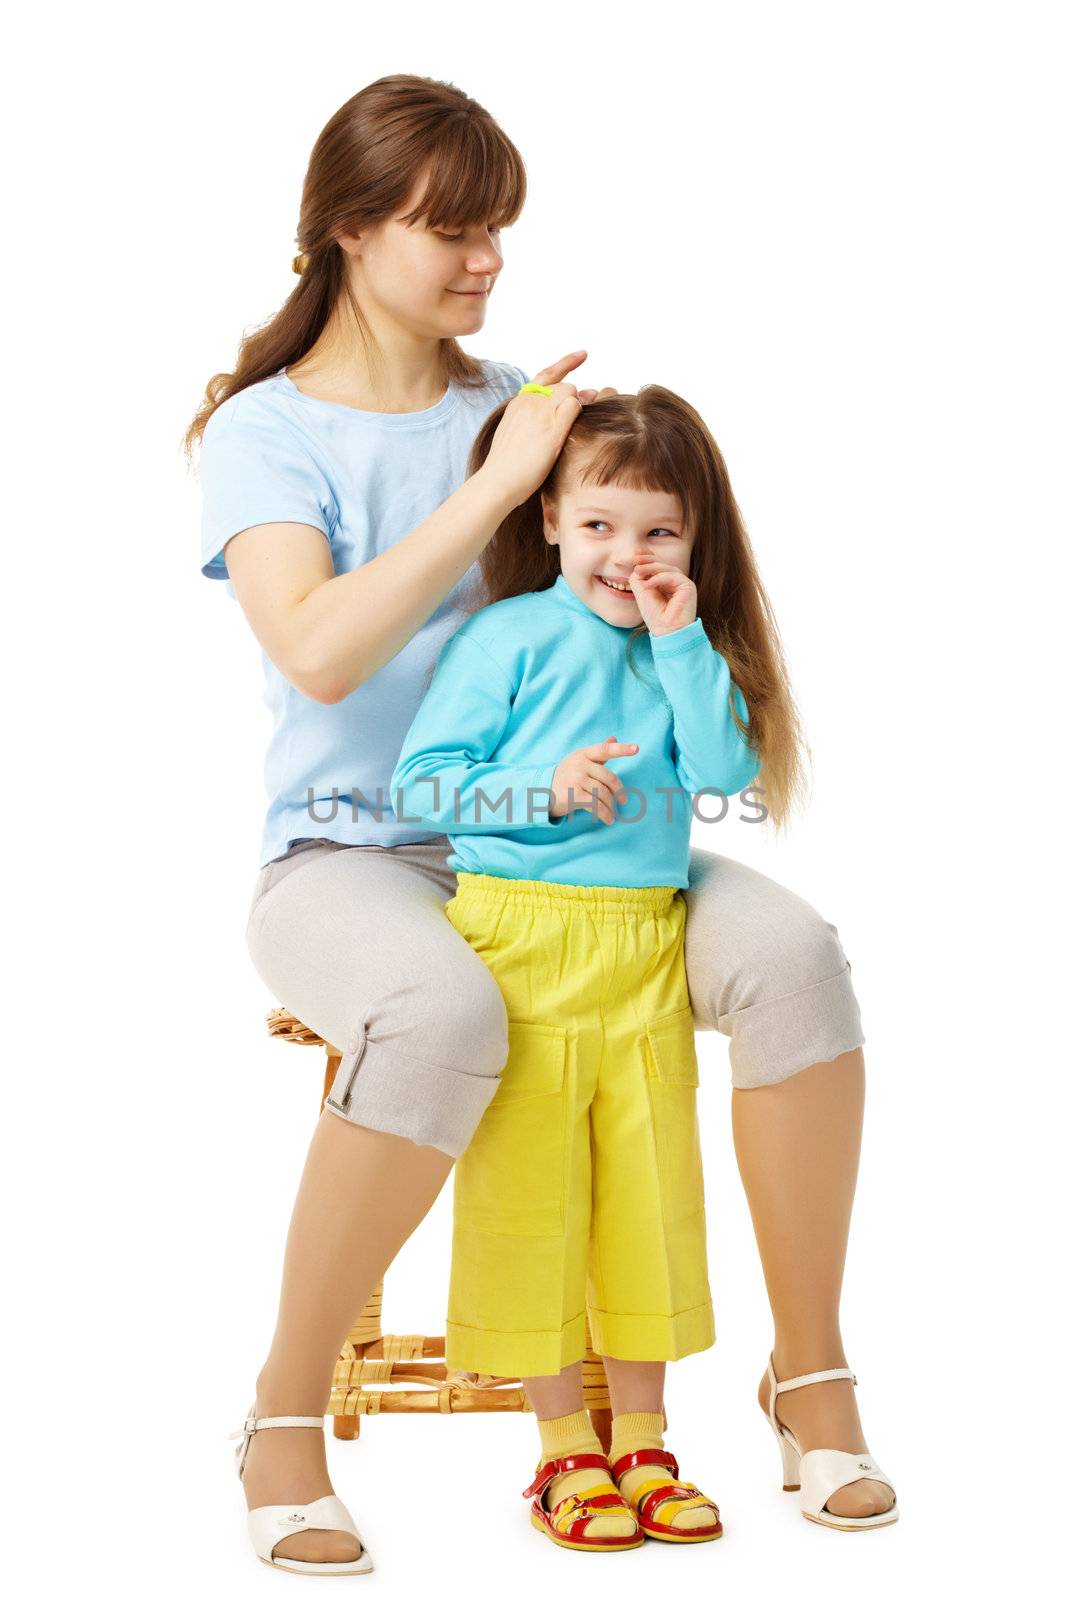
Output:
(673, 1078)
(511, 1177)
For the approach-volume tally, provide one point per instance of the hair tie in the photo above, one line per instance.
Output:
(301, 263)
(534, 388)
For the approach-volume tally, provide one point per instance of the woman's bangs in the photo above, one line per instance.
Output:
(474, 176)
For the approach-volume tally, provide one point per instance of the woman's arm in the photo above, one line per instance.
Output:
(329, 633)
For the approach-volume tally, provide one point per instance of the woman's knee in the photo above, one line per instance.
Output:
(426, 1073)
(805, 1008)
(470, 1023)
(767, 969)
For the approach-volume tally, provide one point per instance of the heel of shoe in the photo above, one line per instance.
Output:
(790, 1459)
(790, 1464)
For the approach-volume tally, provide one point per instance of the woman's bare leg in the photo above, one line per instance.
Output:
(361, 1195)
(798, 1147)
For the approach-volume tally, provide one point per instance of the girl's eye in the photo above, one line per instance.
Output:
(668, 531)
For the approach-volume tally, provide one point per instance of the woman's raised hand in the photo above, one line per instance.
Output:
(533, 428)
(559, 369)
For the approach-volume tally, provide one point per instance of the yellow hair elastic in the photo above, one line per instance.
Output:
(534, 388)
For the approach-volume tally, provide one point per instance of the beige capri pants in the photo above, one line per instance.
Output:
(353, 939)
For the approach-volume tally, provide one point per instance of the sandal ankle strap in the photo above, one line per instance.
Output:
(825, 1376)
(253, 1424)
(647, 1457)
(558, 1464)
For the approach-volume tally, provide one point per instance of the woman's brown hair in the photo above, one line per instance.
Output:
(655, 440)
(365, 163)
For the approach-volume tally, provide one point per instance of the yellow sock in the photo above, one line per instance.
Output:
(643, 1430)
(574, 1435)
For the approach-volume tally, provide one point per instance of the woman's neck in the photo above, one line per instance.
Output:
(407, 377)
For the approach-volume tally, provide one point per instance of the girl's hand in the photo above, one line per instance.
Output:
(666, 598)
(532, 430)
(582, 772)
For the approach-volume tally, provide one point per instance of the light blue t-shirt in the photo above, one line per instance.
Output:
(366, 479)
(525, 682)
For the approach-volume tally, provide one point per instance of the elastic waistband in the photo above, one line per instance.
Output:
(600, 899)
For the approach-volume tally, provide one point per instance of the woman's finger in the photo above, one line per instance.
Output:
(559, 369)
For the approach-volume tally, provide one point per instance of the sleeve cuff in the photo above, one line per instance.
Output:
(682, 639)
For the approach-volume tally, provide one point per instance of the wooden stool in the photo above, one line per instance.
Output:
(369, 1356)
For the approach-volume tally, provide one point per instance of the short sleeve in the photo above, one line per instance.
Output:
(513, 377)
(255, 469)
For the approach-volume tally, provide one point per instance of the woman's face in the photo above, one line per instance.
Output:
(600, 529)
(434, 282)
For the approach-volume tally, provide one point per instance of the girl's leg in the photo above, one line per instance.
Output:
(558, 1395)
(634, 1385)
(767, 970)
(355, 943)
(566, 1429)
(637, 1424)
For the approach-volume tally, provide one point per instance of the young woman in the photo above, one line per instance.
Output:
(336, 506)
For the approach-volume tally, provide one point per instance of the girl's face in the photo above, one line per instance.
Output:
(600, 531)
(434, 282)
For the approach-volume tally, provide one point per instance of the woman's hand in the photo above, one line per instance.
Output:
(554, 374)
(666, 598)
(532, 431)
(582, 772)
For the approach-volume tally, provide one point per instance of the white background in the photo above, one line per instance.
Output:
(834, 228)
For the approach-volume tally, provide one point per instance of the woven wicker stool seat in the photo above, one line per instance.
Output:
(373, 1366)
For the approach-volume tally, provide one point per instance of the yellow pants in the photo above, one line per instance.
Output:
(582, 1188)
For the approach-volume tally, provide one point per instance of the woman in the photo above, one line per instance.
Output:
(336, 505)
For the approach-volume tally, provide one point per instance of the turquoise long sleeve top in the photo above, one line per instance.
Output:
(523, 683)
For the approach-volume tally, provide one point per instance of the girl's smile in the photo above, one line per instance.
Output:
(623, 592)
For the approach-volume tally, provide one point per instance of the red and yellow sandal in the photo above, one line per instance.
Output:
(670, 1492)
(567, 1524)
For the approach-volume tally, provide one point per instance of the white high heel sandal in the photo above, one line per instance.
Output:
(267, 1525)
(820, 1473)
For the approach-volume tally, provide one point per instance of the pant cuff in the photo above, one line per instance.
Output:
(654, 1337)
(509, 1354)
(378, 1087)
(773, 1039)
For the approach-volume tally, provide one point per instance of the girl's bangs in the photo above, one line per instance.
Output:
(634, 462)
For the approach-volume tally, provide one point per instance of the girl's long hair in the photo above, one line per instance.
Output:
(365, 164)
(655, 440)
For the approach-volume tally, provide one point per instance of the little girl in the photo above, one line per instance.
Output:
(582, 1193)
